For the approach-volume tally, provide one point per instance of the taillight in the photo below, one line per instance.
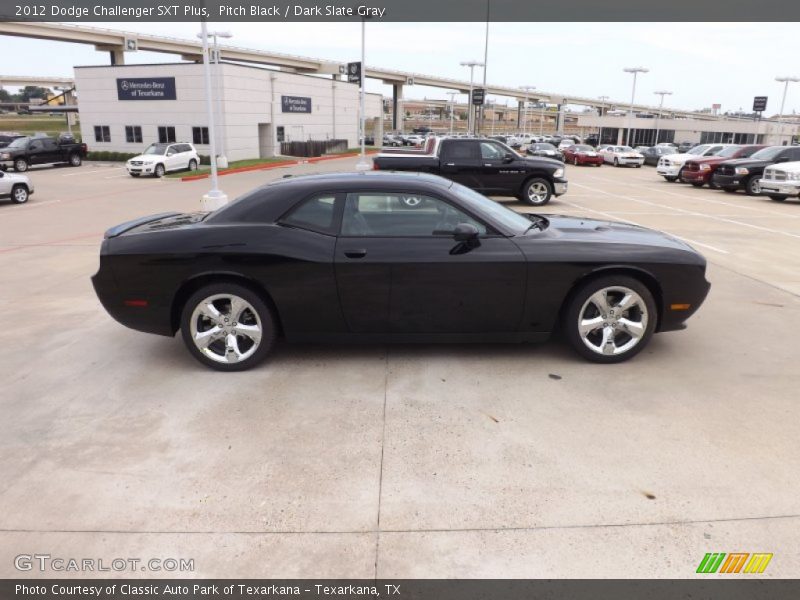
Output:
(375, 166)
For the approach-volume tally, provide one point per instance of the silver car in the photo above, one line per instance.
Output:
(15, 186)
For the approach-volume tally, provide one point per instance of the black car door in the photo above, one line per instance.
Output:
(497, 172)
(399, 269)
(36, 152)
(51, 152)
(460, 160)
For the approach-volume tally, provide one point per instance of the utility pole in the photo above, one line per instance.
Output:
(661, 93)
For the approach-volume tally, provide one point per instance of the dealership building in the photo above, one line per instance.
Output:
(124, 108)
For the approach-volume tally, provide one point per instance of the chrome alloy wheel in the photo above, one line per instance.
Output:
(612, 320)
(537, 192)
(226, 328)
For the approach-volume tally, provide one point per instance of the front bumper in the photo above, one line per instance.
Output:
(559, 188)
(629, 161)
(783, 188)
(669, 170)
(140, 169)
(696, 176)
(590, 160)
(728, 181)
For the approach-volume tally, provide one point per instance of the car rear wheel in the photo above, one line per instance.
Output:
(20, 165)
(159, 170)
(777, 197)
(610, 319)
(193, 165)
(228, 327)
(752, 188)
(75, 160)
(536, 192)
(19, 194)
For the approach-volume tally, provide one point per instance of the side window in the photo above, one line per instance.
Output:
(316, 214)
(795, 154)
(491, 151)
(460, 151)
(35, 145)
(50, 144)
(401, 215)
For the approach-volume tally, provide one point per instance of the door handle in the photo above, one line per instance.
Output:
(449, 164)
(360, 253)
(487, 164)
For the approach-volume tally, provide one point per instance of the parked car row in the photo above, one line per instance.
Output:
(772, 171)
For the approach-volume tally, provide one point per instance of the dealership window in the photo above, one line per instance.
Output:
(166, 134)
(281, 133)
(133, 134)
(200, 135)
(102, 133)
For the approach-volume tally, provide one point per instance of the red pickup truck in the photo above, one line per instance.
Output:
(699, 171)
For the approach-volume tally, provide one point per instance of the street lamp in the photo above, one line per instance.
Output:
(602, 107)
(527, 89)
(635, 71)
(362, 164)
(785, 81)
(661, 93)
(215, 198)
(452, 108)
(222, 160)
(471, 64)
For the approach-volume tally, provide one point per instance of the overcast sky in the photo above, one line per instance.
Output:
(701, 63)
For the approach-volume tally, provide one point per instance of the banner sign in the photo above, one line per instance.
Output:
(295, 104)
(146, 88)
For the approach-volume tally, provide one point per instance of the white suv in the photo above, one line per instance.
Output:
(781, 180)
(671, 165)
(159, 158)
(15, 186)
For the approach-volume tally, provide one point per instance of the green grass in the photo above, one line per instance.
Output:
(30, 124)
(231, 165)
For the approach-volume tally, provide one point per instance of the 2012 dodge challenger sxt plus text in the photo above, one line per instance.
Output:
(392, 257)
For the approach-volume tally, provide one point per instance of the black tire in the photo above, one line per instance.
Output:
(616, 162)
(264, 316)
(21, 165)
(159, 170)
(751, 188)
(697, 184)
(528, 190)
(670, 178)
(572, 314)
(680, 176)
(19, 194)
(193, 165)
(75, 160)
(777, 197)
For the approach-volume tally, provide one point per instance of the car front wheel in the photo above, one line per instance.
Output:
(228, 327)
(536, 192)
(610, 319)
(752, 188)
(19, 195)
(193, 165)
(159, 171)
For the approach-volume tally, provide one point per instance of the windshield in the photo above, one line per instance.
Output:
(624, 149)
(729, 151)
(698, 149)
(19, 143)
(584, 148)
(544, 147)
(768, 153)
(482, 205)
(156, 149)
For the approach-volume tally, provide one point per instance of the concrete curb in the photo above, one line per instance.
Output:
(275, 165)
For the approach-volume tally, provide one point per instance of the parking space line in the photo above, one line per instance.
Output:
(20, 209)
(84, 172)
(611, 216)
(697, 214)
(703, 199)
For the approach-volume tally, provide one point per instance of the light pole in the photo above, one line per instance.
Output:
(635, 71)
(222, 160)
(485, 60)
(527, 89)
(215, 198)
(602, 107)
(785, 81)
(452, 108)
(471, 64)
(661, 93)
(362, 164)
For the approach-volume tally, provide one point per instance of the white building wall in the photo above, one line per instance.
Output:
(251, 97)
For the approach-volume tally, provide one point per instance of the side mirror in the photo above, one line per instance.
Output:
(465, 232)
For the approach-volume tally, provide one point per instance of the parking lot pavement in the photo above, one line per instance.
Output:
(400, 461)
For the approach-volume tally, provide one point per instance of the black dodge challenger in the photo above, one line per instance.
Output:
(382, 256)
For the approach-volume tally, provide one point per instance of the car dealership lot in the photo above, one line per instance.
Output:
(401, 461)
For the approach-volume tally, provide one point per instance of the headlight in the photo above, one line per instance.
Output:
(705, 167)
(742, 170)
(5, 156)
(793, 176)
(558, 173)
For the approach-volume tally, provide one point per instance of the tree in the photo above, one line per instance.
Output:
(33, 91)
(5, 96)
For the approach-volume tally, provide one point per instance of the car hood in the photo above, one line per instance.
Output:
(539, 160)
(595, 231)
(746, 162)
(146, 157)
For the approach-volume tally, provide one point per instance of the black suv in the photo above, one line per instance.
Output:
(744, 173)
